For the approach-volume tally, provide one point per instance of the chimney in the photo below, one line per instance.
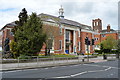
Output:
(108, 28)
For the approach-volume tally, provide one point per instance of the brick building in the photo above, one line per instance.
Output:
(68, 35)
(0, 38)
(100, 34)
(72, 34)
(7, 33)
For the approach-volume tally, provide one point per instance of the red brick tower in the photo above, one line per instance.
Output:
(97, 25)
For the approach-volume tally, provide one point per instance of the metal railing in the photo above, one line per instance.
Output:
(37, 61)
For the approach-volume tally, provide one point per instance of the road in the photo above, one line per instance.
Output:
(108, 69)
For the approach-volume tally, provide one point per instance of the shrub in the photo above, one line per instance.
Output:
(13, 49)
(98, 51)
(87, 54)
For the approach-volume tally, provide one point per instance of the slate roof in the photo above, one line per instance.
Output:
(12, 24)
(46, 17)
(51, 18)
(105, 30)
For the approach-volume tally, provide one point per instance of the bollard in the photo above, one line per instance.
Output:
(104, 56)
(117, 55)
(83, 60)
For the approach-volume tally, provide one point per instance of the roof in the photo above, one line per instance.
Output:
(54, 19)
(117, 31)
(12, 24)
(51, 18)
(105, 30)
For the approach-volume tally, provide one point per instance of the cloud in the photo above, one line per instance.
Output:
(82, 11)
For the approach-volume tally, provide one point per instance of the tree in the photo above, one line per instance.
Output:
(13, 47)
(108, 44)
(101, 48)
(30, 37)
(118, 45)
(22, 19)
(52, 34)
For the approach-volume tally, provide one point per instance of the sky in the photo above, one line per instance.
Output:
(82, 11)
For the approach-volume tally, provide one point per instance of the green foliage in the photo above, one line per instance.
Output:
(98, 51)
(118, 46)
(22, 20)
(108, 44)
(13, 49)
(22, 17)
(29, 38)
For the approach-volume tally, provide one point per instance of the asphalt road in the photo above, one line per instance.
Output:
(108, 69)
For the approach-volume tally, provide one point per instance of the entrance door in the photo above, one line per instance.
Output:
(67, 49)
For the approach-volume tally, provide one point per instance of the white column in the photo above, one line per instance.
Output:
(74, 41)
(64, 40)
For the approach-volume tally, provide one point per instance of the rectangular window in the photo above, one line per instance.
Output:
(103, 35)
(67, 35)
(60, 31)
(78, 33)
(60, 43)
(96, 39)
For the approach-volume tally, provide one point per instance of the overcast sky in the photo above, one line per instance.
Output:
(82, 11)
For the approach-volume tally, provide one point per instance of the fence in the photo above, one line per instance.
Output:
(35, 61)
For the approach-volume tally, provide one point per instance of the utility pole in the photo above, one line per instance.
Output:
(88, 53)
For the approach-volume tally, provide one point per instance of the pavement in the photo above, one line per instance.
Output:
(41, 64)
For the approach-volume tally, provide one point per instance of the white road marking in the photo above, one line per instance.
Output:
(73, 75)
(18, 70)
(11, 71)
(54, 67)
(46, 68)
(101, 66)
(78, 74)
(62, 77)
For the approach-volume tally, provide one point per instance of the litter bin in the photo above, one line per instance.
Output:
(104, 56)
(117, 55)
(83, 60)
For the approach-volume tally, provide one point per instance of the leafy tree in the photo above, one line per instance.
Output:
(118, 46)
(13, 47)
(108, 44)
(22, 19)
(101, 48)
(30, 37)
(52, 33)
